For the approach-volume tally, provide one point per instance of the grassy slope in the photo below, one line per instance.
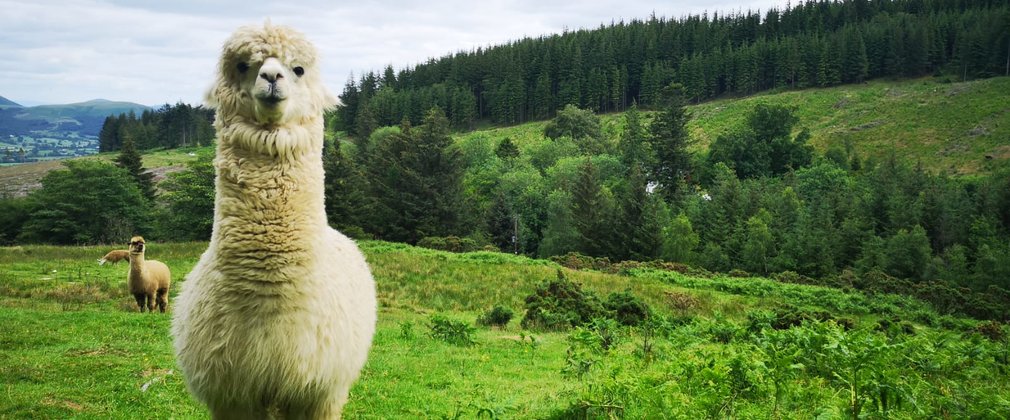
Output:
(947, 127)
(71, 346)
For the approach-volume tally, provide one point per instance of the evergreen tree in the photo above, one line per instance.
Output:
(130, 160)
(669, 139)
(591, 211)
(188, 198)
(345, 191)
(89, 202)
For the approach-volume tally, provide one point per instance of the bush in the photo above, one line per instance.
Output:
(452, 331)
(627, 308)
(561, 304)
(499, 316)
(992, 330)
(577, 261)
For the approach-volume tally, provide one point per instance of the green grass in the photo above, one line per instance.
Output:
(72, 345)
(948, 127)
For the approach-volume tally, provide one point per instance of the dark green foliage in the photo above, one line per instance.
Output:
(726, 54)
(669, 139)
(499, 316)
(345, 189)
(14, 212)
(416, 181)
(580, 125)
(170, 126)
(765, 147)
(130, 160)
(626, 308)
(88, 202)
(188, 196)
(452, 331)
(561, 304)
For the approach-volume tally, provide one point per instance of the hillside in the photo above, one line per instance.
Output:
(73, 345)
(7, 103)
(48, 132)
(952, 128)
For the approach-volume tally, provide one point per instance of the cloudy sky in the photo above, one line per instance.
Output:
(154, 52)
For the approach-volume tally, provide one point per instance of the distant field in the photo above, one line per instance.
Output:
(71, 346)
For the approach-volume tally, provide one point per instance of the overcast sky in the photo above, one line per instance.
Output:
(155, 52)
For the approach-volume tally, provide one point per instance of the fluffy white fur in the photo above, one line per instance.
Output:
(278, 315)
(115, 256)
(148, 280)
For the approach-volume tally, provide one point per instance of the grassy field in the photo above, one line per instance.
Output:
(72, 346)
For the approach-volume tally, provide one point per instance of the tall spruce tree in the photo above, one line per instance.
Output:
(129, 159)
(669, 140)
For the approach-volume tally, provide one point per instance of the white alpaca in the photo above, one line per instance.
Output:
(148, 280)
(278, 315)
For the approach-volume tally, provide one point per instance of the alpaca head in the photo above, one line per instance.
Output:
(268, 76)
(137, 245)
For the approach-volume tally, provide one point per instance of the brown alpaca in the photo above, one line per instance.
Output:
(148, 280)
(115, 257)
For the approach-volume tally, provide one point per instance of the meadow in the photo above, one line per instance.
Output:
(73, 346)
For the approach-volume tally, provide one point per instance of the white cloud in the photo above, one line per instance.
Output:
(153, 52)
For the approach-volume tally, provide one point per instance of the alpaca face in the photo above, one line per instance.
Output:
(137, 245)
(268, 76)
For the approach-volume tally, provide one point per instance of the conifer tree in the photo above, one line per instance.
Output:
(345, 191)
(669, 140)
(129, 159)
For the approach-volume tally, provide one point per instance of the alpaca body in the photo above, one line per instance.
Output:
(279, 313)
(115, 256)
(148, 281)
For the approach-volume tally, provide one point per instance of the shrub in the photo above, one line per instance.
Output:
(499, 316)
(627, 308)
(992, 330)
(561, 304)
(452, 331)
(682, 302)
(577, 261)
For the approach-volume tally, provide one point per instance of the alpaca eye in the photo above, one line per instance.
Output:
(299, 71)
(243, 67)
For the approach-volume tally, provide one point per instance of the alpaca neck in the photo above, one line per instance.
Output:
(269, 203)
(136, 267)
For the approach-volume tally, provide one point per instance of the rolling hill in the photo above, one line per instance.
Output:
(7, 103)
(83, 118)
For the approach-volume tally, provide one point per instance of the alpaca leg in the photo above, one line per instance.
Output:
(328, 409)
(237, 413)
(150, 302)
(140, 300)
(162, 299)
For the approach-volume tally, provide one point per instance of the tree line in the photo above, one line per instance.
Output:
(171, 126)
(813, 43)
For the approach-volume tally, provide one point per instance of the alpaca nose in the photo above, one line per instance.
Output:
(272, 70)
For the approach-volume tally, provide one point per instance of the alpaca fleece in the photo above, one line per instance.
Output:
(148, 280)
(278, 315)
(115, 256)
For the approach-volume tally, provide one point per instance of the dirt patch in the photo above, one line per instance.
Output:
(1001, 152)
(62, 403)
(867, 126)
(978, 130)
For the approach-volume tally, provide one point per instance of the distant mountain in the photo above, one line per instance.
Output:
(7, 103)
(84, 118)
